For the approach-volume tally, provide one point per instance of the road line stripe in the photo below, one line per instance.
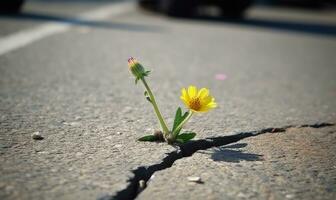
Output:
(25, 37)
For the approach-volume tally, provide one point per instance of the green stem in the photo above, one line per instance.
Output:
(182, 123)
(156, 108)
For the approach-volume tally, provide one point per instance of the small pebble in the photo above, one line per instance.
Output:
(159, 135)
(74, 123)
(142, 184)
(290, 196)
(37, 136)
(194, 179)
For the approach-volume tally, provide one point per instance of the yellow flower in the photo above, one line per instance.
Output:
(198, 101)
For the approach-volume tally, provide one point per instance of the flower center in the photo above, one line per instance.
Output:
(195, 104)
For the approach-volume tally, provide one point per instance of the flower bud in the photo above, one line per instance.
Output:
(136, 68)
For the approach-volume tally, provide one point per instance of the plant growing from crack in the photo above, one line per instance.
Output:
(197, 101)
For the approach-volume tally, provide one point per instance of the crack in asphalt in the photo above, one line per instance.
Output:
(144, 173)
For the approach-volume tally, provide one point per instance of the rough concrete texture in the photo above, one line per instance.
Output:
(75, 89)
(297, 164)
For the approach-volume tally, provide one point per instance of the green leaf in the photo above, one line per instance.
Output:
(147, 96)
(146, 73)
(136, 80)
(185, 137)
(148, 138)
(178, 119)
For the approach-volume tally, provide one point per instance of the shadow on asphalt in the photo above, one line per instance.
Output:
(277, 24)
(231, 153)
(35, 16)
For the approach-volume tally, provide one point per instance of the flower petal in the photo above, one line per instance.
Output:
(192, 91)
(186, 102)
(202, 93)
(213, 104)
(185, 94)
(207, 100)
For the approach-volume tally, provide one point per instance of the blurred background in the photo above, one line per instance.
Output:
(310, 16)
(187, 8)
(227, 8)
(231, 8)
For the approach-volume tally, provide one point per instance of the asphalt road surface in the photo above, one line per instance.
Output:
(64, 74)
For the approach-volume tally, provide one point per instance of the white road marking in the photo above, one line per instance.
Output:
(25, 37)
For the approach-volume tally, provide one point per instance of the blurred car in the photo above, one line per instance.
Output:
(10, 6)
(301, 3)
(187, 8)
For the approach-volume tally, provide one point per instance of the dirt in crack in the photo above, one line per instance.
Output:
(144, 173)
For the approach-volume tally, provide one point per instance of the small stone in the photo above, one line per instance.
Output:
(142, 184)
(41, 152)
(37, 136)
(194, 179)
(119, 133)
(290, 196)
(74, 123)
(159, 135)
